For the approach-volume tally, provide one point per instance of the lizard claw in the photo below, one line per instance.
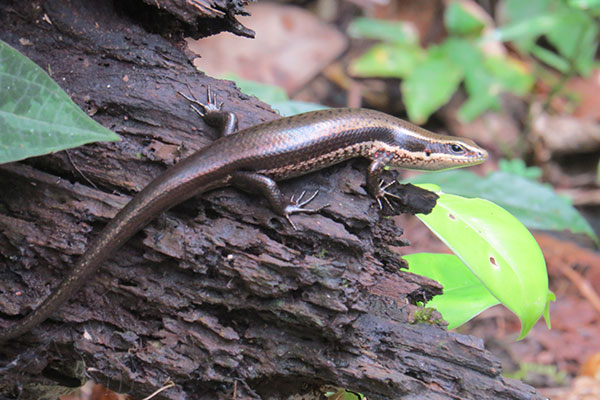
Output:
(296, 205)
(384, 195)
(211, 104)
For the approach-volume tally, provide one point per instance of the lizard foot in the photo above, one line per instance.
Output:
(383, 194)
(297, 206)
(211, 105)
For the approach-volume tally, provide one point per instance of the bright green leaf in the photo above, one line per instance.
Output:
(387, 60)
(497, 248)
(387, 31)
(465, 296)
(461, 20)
(430, 86)
(344, 394)
(36, 116)
(535, 205)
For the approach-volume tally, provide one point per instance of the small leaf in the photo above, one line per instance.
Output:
(465, 296)
(293, 107)
(387, 31)
(431, 85)
(273, 95)
(387, 60)
(268, 93)
(497, 248)
(518, 167)
(36, 116)
(550, 58)
(460, 19)
(535, 205)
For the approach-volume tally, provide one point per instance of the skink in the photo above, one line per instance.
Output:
(255, 158)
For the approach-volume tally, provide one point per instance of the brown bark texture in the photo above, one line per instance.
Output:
(219, 295)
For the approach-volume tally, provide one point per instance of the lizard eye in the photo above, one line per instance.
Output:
(457, 148)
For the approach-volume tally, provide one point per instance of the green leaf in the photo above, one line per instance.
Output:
(387, 60)
(344, 394)
(273, 95)
(497, 248)
(465, 296)
(524, 32)
(550, 58)
(463, 52)
(431, 85)
(477, 104)
(575, 37)
(518, 167)
(511, 75)
(584, 4)
(387, 31)
(268, 93)
(36, 116)
(293, 107)
(519, 10)
(461, 20)
(535, 205)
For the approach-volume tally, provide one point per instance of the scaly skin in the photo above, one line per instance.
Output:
(259, 155)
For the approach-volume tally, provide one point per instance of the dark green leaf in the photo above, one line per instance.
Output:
(36, 116)
(535, 205)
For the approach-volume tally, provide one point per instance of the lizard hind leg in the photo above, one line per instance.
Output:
(254, 182)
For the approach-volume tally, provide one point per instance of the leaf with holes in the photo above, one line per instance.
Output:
(498, 249)
(36, 116)
(465, 296)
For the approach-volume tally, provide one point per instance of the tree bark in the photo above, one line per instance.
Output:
(218, 295)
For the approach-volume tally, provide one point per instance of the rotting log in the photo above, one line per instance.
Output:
(218, 295)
